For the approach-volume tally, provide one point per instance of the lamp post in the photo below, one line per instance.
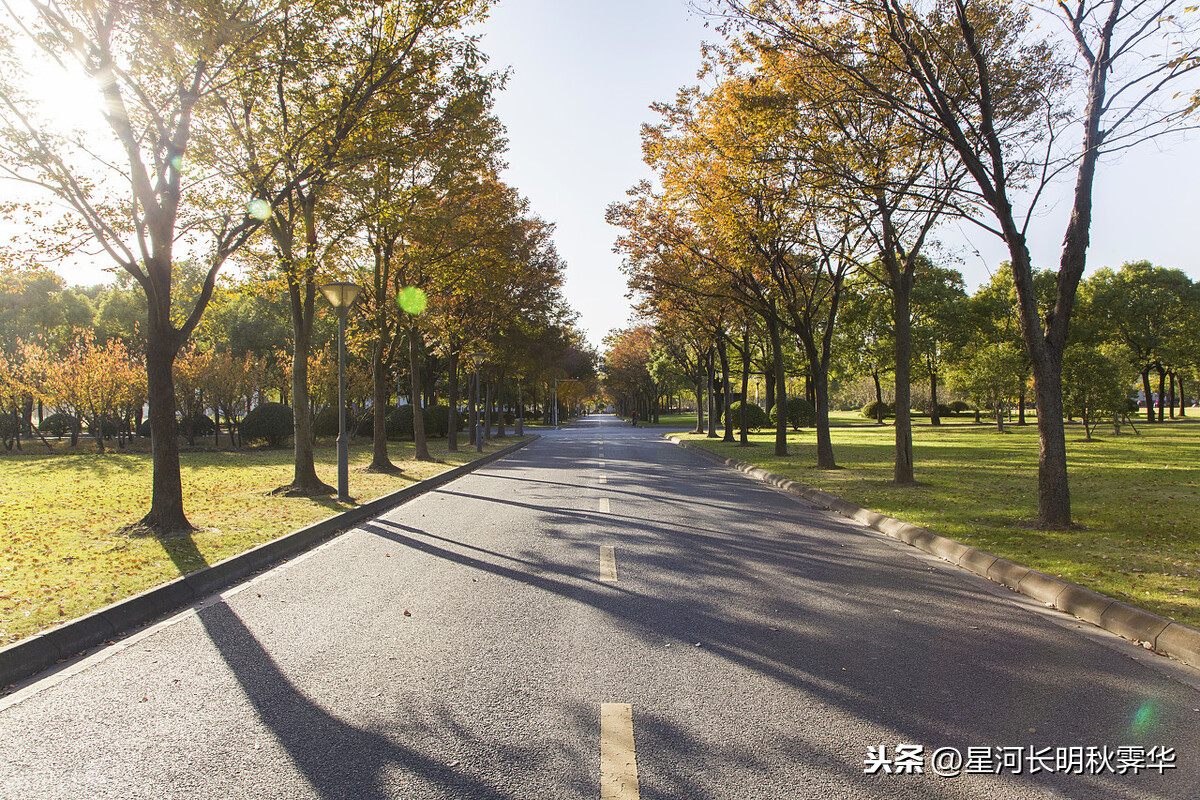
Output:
(475, 359)
(341, 296)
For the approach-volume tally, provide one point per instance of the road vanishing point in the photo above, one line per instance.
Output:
(603, 614)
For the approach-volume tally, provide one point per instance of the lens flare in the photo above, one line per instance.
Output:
(412, 300)
(259, 209)
(1145, 719)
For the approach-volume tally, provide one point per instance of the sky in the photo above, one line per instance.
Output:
(585, 73)
(583, 77)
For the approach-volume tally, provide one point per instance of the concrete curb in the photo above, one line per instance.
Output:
(1160, 634)
(31, 655)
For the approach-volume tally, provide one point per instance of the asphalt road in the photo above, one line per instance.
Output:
(603, 614)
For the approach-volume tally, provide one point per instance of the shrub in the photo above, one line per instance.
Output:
(202, 425)
(437, 421)
(108, 427)
(756, 418)
(872, 410)
(269, 422)
(800, 413)
(58, 425)
(944, 410)
(959, 406)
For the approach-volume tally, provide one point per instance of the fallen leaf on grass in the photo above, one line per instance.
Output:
(406, 613)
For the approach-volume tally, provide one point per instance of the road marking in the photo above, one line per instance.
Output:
(608, 565)
(599, 465)
(605, 508)
(618, 761)
(602, 479)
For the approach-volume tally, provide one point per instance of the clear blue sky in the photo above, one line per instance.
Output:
(584, 74)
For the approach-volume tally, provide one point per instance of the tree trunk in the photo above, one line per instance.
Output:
(820, 375)
(165, 516)
(743, 436)
(699, 406)
(1162, 398)
(305, 482)
(1146, 394)
(723, 351)
(1182, 400)
(420, 448)
(380, 385)
(780, 384)
(712, 407)
(769, 375)
(1171, 393)
(879, 413)
(500, 431)
(935, 418)
(452, 392)
(487, 412)
(902, 469)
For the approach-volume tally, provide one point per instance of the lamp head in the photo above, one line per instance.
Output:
(341, 294)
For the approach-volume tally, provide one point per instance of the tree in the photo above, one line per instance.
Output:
(992, 375)
(158, 71)
(940, 324)
(976, 78)
(1146, 310)
(331, 75)
(1093, 385)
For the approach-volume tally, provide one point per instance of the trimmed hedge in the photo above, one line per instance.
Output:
(959, 406)
(269, 422)
(436, 419)
(756, 418)
(800, 413)
(58, 425)
(872, 410)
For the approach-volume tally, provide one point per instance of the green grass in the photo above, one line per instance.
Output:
(62, 552)
(1134, 497)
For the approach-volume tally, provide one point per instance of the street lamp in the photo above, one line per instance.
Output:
(476, 358)
(341, 296)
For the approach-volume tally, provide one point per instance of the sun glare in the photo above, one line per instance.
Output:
(68, 98)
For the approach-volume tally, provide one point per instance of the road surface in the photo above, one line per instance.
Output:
(605, 615)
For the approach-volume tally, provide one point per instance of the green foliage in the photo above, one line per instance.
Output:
(960, 406)
(1093, 385)
(756, 418)
(58, 425)
(269, 422)
(800, 413)
(944, 410)
(437, 421)
(877, 409)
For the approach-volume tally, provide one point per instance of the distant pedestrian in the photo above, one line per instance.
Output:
(634, 415)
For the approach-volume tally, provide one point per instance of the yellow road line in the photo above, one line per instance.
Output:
(618, 761)
(608, 564)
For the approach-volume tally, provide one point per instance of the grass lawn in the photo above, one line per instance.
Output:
(61, 552)
(1136, 497)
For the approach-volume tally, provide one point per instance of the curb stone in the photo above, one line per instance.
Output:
(34, 653)
(1150, 630)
